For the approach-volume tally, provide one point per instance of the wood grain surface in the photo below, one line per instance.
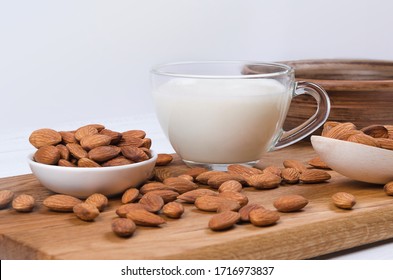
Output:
(318, 229)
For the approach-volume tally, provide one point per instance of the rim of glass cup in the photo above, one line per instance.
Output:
(286, 69)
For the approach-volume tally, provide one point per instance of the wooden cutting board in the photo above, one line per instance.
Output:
(317, 230)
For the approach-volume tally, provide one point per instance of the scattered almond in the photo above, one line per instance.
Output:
(317, 162)
(290, 175)
(264, 181)
(293, 163)
(98, 200)
(246, 209)
(244, 171)
(163, 159)
(123, 227)
(343, 200)
(263, 217)
(204, 177)
(236, 196)
(153, 202)
(61, 202)
(273, 169)
(214, 203)
(223, 220)
(216, 181)
(23, 203)
(6, 197)
(191, 196)
(123, 210)
(231, 186)
(173, 210)
(312, 176)
(86, 211)
(180, 185)
(195, 171)
(388, 188)
(290, 203)
(145, 218)
(167, 195)
(130, 195)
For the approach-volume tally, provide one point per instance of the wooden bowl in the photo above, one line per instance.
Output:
(360, 91)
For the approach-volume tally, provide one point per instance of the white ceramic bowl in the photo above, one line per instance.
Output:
(356, 161)
(82, 182)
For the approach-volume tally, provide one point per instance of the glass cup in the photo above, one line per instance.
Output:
(217, 113)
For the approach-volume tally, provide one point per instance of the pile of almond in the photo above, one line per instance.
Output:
(90, 146)
(380, 136)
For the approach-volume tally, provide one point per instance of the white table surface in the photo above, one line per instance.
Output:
(14, 147)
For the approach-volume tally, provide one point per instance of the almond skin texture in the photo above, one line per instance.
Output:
(163, 159)
(204, 177)
(123, 210)
(364, 139)
(293, 163)
(64, 152)
(216, 181)
(98, 200)
(242, 170)
(264, 181)
(6, 197)
(115, 136)
(191, 196)
(130, 195)
(76, 150)
(173, 210)
(290, 175)
(215, 203)
(117, 161)
(290, 203)
(312, 176)
(103, 153)
(245, 211)
(85, 211)
(167, 195)
(93, 141)
(317, 162)
(61, 202)
(66, 163)
(123, 227)
(85, 131)
(385, 143)
(130, 141)
(47, 155)
(343, 200)
(23, 203)
(86, 162)
(137, 133)
(145, 218)
(340, 130)
(223, 220)
(152, 202)
(231, 186)
(236, 196)
(180, 185)
(273, 169)
(133, 153)
(68, 137)
(388, 188)
(263, 217)
(154, 186)
(44, 137)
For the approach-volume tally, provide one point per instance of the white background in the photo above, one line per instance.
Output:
(68, 63)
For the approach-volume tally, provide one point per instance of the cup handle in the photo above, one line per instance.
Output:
(323, 109)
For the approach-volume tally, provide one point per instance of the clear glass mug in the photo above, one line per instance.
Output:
(217, 113)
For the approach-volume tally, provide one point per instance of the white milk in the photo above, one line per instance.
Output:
(221, 120)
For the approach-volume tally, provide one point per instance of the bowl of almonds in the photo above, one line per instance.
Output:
(91, 159)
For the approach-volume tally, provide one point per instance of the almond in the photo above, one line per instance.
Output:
(84, 131)
(44, 137)
(130, 195)
(47, 155)
(364, 139)
(231, 186)
(312, 176)
(154, 186)
(76, 150)
(214, 203)
(103, 153)
(23, 203)
(61, 202)
(180, 185)
(123, 227)
(137, 133)
(317, 162)
(264, 181)
(187, 177)
(236, 196)
(388, 189)
(86, 211)
(117, 161)
(263, 217)
(290, 175)
(376, 131)
(293, 163)
(167, 195)
(96, 140)
(385, 143)
(223, 220)
(130, 141)
(65, 163)
(217, 180)
(195, 171)
(191, 196)
(273, 169)
(145, 218)
(133, 153)
(173, 210)
(86, 162)
(242, 170)
(68, 137)
(204, 177)
(246, 209)
(98, 200)
(343, 200)
(146, 143)
(153, 202)
(339, 131)
(390, 130)
(6, 197)
(123, 210)
(163, 159)
(328, 126)
(64, 152)
(290, 203)
(115, 136)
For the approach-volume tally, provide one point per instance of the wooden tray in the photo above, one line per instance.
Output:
(317, 230)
